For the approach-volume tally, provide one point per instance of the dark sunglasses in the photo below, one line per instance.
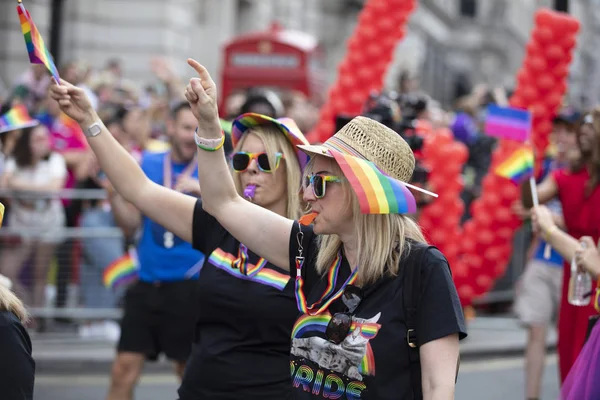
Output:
(339, 325)
(319, 183)
(241, 160)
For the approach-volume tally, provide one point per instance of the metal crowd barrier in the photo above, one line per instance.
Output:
(63, 257)
(502, 293)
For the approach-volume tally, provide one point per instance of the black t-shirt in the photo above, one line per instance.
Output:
(242, 340)
(16, 363)
(373, 361)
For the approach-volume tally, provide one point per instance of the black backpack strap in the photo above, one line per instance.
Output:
(411, 294)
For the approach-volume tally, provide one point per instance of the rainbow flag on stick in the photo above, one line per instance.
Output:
(518, 167)
(16, 118)
(121, 272)
(38, 53)
(377, 192)
(508, 123)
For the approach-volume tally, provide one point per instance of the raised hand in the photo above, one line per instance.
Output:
(542, 219)
(201, 93)
(73, 102)
(588, 256)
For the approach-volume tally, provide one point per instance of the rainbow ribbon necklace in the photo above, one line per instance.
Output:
(331, 282)
(242, 264)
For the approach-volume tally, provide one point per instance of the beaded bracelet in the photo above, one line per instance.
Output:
(209, 144)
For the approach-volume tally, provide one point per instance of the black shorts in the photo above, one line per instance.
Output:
(159, 318)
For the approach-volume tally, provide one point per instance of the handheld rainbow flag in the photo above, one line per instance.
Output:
(38, 53)
(16, 118)
(377, 192)
(518, 167)
(508, 123)
(121, 272)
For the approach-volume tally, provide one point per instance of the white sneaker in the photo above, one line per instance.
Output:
(85, 331)
(112, 330)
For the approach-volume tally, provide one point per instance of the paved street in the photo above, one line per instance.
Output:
(497, 379)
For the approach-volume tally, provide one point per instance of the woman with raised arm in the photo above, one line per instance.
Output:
(583, 380)
(380, 316)
(246, 307)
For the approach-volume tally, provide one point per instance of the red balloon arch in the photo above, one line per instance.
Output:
(479, 250)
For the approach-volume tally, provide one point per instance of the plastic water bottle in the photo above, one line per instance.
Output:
(580, 285)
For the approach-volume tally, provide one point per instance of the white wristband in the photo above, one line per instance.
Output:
(212, 143)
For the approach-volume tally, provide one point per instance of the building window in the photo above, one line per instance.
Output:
(468, 8)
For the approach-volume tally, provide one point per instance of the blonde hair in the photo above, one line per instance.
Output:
(381, 238)
(10, 302)
(275, 141)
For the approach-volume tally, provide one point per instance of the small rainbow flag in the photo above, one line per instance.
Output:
(121, 272)
(16, 118)
(518, 167)
(508, 123)
(38, 53)
(74, 127)
(377, 192)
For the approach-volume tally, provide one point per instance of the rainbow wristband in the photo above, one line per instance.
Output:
(209, 144)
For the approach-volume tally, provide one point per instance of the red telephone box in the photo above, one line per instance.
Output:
(277, 58)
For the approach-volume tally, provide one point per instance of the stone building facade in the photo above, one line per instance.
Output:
(451, 44)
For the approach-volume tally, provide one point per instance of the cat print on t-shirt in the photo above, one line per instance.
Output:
(330, 370)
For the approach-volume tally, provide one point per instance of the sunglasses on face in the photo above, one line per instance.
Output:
(339, 325)
(241, 160)
(319, 183)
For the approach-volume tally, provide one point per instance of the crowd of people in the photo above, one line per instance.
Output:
(230, 269)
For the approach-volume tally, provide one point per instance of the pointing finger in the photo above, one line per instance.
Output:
(201, 71)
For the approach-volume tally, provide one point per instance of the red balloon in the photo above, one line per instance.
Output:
(504, 214)
(573, 25)
(543, 35)
(529, 93)
(554, 52)
(435, 210)
(484, 283)
(367, 32)
(538, 109)
(543, 128)
(485, 237)
(568, 42)
(533, 48)
(500, 268)
(518, 102)
(544, 17)
(459, 270)
(536, 63)
(468, 244)
(473, 261)
(545, 81)
(523, 76)
(466, 292)
(438, 236)
(560, 71)
(373, 50)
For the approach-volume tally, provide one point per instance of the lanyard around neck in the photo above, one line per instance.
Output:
(168, 174)
(332, 276)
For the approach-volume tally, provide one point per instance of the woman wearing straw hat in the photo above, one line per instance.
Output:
(363, 272)
(246, 305)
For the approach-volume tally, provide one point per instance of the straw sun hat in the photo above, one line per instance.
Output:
(368, 139)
